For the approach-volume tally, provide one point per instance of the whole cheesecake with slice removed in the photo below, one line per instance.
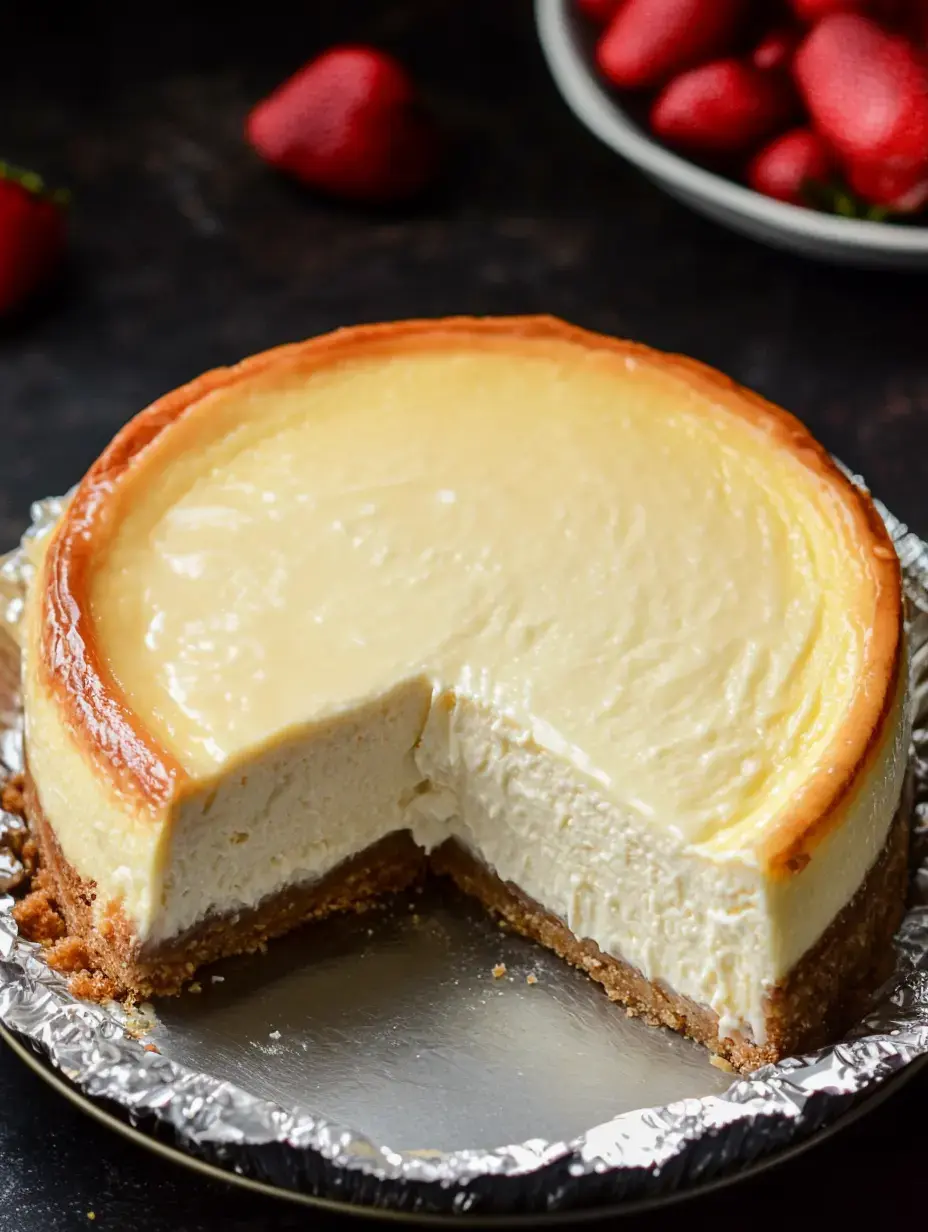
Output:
(603, 636)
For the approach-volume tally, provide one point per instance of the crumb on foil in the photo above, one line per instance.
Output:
(37, 917)
(11, 797)
(720, 1063)
(68, 956)
(531, 979)
(39, 920)
(92, 986)
(499, 971)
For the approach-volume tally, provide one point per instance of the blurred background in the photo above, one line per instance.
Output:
(187, 251)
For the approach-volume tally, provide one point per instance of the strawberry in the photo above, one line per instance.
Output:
(600, 12)
(724, 107)
(648, 41)
(776, 49)
(348, 123)
(902, 192)
(32, 235)
(811, 11)
(866, 91)
(785, 168)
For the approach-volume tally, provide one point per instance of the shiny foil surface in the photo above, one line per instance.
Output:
(387, 1059)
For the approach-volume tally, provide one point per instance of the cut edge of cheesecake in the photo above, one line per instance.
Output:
(820, 994)
(132, 759)
(828, 990)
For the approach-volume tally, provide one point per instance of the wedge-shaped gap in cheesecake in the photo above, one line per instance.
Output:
(606, 639)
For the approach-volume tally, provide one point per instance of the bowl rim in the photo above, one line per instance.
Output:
(557, 25)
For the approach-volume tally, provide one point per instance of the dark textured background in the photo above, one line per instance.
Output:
(187, 253)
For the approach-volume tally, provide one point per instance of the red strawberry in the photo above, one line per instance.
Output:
(648, 41)
(814, 10)
(32, 235)
(725, 107)
(784, 168)
(348, 123)
(866, 91)
(599, 11)
(903, 192)
(775, 50)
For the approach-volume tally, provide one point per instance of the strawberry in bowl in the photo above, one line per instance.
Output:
(801, 122)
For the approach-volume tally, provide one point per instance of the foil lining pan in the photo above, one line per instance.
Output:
(385, 1063)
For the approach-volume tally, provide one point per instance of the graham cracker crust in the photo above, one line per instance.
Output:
(823, 996)
(112, 948)
(821, 999)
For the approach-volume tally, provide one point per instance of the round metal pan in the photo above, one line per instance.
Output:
(176, 1155)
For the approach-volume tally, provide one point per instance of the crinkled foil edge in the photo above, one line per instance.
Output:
(650, 1152)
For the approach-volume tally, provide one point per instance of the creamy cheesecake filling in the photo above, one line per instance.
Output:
(638, 578)
(712, 927)
(602, 637)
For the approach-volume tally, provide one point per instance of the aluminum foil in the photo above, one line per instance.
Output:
(279, 1109)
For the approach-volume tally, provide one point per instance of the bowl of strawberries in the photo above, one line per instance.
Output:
(802, 123)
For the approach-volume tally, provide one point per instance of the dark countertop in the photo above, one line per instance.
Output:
(187, 254)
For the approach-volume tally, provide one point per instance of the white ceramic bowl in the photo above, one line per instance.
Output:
(567, 42)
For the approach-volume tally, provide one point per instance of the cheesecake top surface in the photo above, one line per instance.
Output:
(652, 573)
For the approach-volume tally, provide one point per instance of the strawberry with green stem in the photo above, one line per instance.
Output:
(33, 233)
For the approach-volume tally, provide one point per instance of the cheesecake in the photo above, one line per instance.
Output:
(590, 629)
